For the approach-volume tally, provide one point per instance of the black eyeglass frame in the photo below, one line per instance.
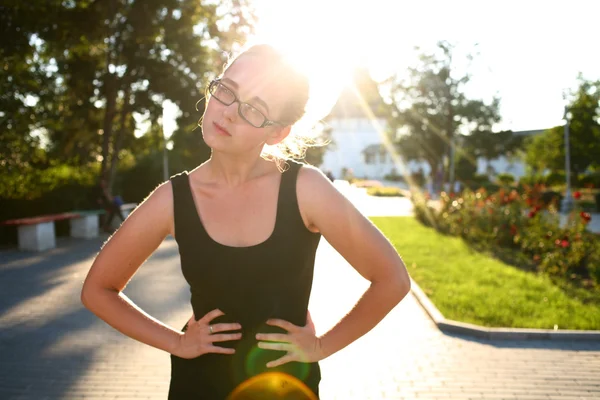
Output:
(267, 121)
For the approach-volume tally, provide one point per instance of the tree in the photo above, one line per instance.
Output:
(113, 58)
(547, 151)
(24, 81)
(314, 154)
(490, 145)
(430, 108)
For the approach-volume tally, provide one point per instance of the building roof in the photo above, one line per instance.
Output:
(529, 132)
(374, 149)
(351, 105)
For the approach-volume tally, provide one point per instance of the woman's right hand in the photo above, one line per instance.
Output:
(200, 335)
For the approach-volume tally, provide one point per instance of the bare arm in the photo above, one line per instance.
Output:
(117, 262)
(363, 246)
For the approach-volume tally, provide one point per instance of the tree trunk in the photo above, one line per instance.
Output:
(109, 115)
(118, 142)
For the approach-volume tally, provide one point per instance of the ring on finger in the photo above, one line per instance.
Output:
(210, 328)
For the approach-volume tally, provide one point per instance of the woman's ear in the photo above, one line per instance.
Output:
(278, 135)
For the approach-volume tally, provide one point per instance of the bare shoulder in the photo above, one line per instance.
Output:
(318, 197)
(158, 207)
(313, 190)
(325, 209)
(310, 177)
(137, 238)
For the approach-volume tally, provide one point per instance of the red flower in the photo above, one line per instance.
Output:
(513, 230)
(557, 242)
(532, 213)
(577, 195)
(564, 244)
(586, 217)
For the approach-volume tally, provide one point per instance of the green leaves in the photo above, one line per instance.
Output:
(79, 70)
(432, 108)
(547, 151)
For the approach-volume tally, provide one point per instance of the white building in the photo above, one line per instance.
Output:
(354, 139)
(358, 127)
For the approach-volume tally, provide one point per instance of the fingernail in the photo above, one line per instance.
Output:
(258, 336)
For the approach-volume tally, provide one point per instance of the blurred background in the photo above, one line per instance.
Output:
(418, 95)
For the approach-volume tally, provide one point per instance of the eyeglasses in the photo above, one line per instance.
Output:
(248, 112)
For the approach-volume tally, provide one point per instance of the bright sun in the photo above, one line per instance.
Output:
(327, 39)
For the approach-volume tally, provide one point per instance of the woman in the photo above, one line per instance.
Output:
(247, 223)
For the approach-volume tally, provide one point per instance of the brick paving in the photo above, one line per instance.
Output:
(51, 347)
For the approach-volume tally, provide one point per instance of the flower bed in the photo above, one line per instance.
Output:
(522, 223)
(385, 192)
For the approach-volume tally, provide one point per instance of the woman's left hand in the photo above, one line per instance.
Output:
(301, 342)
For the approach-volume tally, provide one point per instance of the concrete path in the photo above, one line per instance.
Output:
(53, 348)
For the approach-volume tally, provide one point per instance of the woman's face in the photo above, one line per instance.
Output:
(253, 82)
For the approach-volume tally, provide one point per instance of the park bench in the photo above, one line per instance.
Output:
(38, 233)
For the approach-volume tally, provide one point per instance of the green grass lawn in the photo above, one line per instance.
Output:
(469, 286)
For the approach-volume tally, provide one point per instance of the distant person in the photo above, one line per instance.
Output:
(112, 205)
(247, 224)
(457, 186)
(329, 175)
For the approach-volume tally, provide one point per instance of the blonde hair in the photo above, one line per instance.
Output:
(304, 133)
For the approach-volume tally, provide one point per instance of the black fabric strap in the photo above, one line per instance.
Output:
(183, 203)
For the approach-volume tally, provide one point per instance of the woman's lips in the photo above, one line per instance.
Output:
(221, 130)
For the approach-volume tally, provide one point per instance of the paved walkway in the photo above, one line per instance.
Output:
(53, 348)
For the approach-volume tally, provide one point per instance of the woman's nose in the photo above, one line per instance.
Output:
(231, 111)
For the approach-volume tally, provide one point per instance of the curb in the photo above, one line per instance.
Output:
(481, 332)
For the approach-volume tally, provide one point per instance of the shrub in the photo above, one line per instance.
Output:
(525, 222)
(532, 180)
(384, 192)
(418, 178)
(506, 179)
(394, 178)
(551, 198)
(555, 178)
(365, 183)
(591, 180)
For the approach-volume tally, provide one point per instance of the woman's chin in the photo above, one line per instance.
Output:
(216, 141)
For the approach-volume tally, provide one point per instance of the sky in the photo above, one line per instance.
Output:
(528, 53)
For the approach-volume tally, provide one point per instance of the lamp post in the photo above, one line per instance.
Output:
(165, 153)
(452, 165)
(567, 202)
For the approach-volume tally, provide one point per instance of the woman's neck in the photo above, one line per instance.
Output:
(235, 171)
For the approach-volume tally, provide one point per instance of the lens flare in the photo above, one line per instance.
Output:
(257, 359)
(272, 385)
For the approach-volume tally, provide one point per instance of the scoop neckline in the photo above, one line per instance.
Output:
(213, 241)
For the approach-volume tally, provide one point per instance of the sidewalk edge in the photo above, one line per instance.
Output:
(448, 325)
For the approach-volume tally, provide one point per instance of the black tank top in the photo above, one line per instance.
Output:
(272, 279)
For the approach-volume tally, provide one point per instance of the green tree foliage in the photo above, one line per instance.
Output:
(92, 65)
(466, 168)
(547, 151)
(430, 108)
(24, 80)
